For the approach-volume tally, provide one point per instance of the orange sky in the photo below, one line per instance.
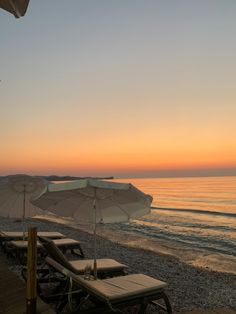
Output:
(118, 91)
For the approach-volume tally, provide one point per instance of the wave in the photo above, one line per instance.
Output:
(197, 211)
(208, 242)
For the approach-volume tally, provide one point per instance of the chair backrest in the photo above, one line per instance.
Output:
(55, 253)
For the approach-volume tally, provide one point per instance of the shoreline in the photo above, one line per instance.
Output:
(189, 287)
(202, 258)
(192, 256)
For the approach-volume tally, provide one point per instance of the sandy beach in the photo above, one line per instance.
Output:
(189, 287)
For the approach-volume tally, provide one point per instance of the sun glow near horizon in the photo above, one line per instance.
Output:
(163, 143)
(107, 160)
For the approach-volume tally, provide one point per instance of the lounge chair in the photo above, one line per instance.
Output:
(68, 244)
(111, 294)
(105, 267)
(13, 235)
(6, 236)
(19, 248)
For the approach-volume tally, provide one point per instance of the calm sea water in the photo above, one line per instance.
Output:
(197, 212)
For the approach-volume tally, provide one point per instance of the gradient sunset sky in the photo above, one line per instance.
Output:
(119, 87)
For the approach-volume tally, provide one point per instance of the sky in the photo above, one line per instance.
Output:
(125, 88)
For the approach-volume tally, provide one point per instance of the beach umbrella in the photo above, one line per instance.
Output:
(16, 7)
(16, 192)
(93, 201)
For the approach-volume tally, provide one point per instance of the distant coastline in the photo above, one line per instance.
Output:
(68, 178)
(72, 178)
(168, 174)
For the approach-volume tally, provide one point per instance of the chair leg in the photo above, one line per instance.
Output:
(167, 302)
(80, 250)
(167, 308)
(143, 306)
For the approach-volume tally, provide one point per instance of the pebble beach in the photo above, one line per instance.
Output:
(189, 287)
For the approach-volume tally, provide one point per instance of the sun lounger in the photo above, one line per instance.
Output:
(105, 267)
(111, 294)
(9, 236)
(68, 244)
(13, 235)
(19, 235)
(19, 248)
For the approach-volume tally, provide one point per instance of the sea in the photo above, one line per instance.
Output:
(193, 218)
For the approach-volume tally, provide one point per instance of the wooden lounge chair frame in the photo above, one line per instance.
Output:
(6, 236)
(64, 245)
(18, 249)
(111, 294)
(105, 267)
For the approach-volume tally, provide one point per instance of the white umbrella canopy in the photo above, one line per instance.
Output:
(115, 202)
(16, 193)
(16, 7)
(95, 201)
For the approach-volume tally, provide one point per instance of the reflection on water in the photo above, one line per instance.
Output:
(205, 193)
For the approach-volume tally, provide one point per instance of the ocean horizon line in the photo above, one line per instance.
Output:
(186, 173)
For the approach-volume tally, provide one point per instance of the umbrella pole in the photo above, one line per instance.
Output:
(23, 218)
(95, 238)
(31, 291)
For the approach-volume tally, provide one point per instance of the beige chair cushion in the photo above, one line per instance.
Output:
(12, 234)
(23, 244)
(50, 234)
(103, 265)
(64, 242)
(60, 242)
(19, 234)
(122, 287)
